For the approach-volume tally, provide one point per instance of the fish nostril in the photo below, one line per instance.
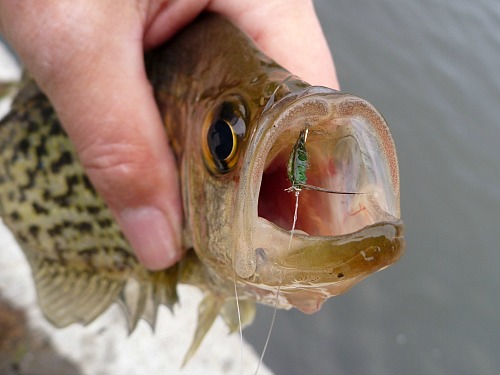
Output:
(260, 255)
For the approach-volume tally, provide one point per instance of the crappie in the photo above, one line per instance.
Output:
(232, 116)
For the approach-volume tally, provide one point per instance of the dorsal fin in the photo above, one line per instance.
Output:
(22, 89)
(7, 89)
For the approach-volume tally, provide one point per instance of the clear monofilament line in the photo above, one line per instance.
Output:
(297, 192)
(295, 213)
(269, 332)
(239, 323)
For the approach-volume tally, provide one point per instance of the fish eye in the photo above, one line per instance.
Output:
(221, 142)
(225, 128)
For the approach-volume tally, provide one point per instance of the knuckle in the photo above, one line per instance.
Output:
(119, 171)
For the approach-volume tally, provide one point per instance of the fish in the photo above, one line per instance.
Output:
(232, 116)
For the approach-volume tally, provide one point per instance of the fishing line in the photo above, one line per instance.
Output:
(297, 192)
(270, 330)
(239, 321)
(269, 103)
(271, 99)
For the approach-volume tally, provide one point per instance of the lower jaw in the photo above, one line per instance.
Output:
(306, 270)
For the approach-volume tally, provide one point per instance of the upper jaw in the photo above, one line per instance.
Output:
(350, 150)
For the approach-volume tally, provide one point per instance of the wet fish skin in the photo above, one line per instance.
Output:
(81, 261)
(63, 226)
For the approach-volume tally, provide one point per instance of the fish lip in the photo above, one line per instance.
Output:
(310, 274)
(318, 104)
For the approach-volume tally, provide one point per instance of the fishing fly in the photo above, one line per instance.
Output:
(297, 166)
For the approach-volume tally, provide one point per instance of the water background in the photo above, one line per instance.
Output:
(432, 67)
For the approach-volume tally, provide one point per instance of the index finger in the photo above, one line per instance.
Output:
(286, 30)
(289, 32)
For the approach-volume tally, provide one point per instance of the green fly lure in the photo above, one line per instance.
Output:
(298, 162)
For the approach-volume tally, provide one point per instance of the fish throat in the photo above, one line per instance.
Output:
(329, 166)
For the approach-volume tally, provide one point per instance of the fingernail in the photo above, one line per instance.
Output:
(151, 236)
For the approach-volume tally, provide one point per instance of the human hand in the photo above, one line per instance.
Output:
(87, 56)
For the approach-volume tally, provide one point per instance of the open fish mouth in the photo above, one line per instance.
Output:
(340, 161)
(350, 151)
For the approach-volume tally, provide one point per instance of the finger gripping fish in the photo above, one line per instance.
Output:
(232, 116)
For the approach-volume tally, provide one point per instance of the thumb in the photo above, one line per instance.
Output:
(110, 115)
(98, 86)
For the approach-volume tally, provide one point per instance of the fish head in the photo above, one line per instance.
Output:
(233, 123)
(339, 238)
(247, 216)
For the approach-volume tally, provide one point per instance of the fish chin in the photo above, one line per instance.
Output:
(339, 238)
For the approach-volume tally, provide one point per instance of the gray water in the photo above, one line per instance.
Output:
(432, 67)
